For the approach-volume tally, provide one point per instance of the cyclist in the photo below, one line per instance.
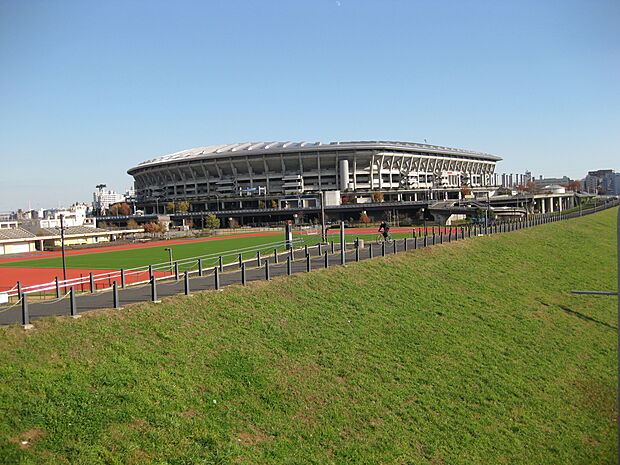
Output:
(386, 229)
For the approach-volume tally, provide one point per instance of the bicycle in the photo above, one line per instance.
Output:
(382, 238)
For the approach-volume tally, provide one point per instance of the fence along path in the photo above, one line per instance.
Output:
(216, 272)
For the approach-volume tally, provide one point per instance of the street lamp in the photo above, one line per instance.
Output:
(62, 247)
(169, 250)
(323, 231)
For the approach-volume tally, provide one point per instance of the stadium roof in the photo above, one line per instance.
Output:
(246, 148)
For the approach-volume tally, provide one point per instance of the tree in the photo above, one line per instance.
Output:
(132, 224)
(124, 209)
(377, 196)
(183, 207)
(113, 210)
(574, 186)
(465, 191)
(274, 204)
(212, 221)
(532, 187)
(170, 207)
(261, 204)
(364, 218)
(151, 228)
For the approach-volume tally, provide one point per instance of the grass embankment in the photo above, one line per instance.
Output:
(471, 352)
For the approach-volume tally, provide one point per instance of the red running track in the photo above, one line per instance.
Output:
(33, 255)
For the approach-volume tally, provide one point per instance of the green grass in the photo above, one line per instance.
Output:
(131, 258)
(466, 353)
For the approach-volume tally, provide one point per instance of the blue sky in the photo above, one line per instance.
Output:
(89, 89)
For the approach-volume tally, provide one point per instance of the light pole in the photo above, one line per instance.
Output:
(169, 250)
(323, 231)
(486, 213)
(62, 247)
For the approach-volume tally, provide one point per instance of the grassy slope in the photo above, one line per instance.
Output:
(471, 352)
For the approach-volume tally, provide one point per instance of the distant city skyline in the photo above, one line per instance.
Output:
(101, 87)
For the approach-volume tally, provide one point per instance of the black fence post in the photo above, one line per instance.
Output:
(115, 295)
(383, 249)
(176, 271)
(326, 255)
(332, 247)
(306, 250)
(19, 290)
(91, 280)
(200, 267)
(405, 244)
(370, 250)
(258, 258)
(216, 276)
(150, 271)
(289, 267)
(357, 254)
(275, 255)
(72, 305)
(320, 248)
(221, 263)
(240, 259)
(122, 278)
(291, 253)
(25, 313)
(308, 264)
(57, 288)
(425, 240)
(186, 283)
(394, 248)
(266, 269)
(243, 278)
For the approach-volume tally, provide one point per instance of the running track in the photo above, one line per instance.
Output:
(31, 276)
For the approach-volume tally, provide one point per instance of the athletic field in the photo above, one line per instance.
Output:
(43, 267)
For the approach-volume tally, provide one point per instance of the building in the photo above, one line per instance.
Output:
(103, 198)
(611, 184)
(564, 180)
(263, 174)
(594, 182)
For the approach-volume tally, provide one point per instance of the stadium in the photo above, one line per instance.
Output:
(294, 174)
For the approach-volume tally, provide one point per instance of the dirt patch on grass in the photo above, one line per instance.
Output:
(252, 437)
(27, 439)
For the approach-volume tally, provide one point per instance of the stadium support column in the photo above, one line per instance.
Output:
(344, 174)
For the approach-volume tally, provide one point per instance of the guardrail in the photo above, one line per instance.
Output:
(143, 274)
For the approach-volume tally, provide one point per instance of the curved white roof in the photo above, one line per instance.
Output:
(246, 148)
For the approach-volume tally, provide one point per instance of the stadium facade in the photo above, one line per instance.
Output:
(281, 174)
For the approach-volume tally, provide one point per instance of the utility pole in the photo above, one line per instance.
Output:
(62, 247)
(169, 250)
(323, 231)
